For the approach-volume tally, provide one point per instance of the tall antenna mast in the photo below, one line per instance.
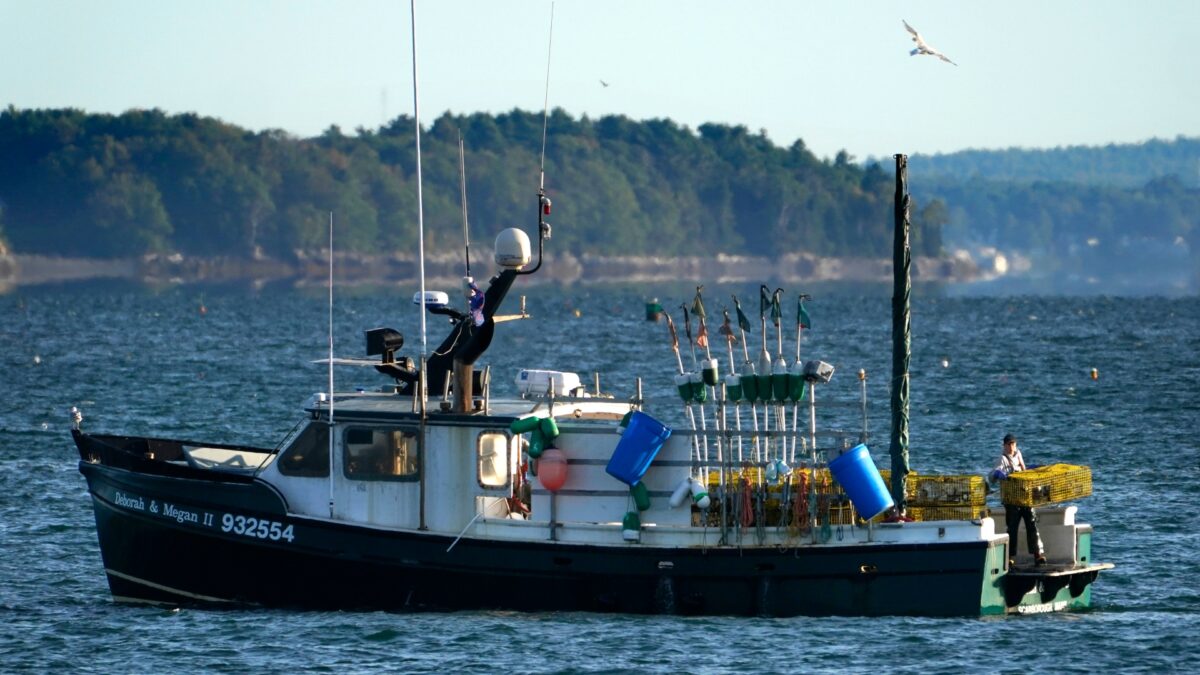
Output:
(462, 183)
(420, 198)
(331, 472)
(546, 103)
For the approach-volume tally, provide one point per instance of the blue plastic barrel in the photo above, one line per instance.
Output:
(639, 445)
(857, 474)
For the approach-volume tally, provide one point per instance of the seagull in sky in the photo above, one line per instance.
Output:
(922, 47)
(603, 83)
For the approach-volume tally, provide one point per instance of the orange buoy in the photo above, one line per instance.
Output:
(552, 469)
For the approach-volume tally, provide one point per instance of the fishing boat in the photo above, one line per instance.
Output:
(551, 496)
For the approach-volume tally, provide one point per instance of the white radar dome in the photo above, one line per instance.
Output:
(512, 249)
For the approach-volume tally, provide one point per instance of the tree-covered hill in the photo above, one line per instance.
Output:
(73, 183)
(116, 186)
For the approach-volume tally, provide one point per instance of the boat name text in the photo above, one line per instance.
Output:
(1043, 607)
(180, 516)
(130, 502)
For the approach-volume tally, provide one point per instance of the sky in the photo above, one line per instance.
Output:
(836, 75)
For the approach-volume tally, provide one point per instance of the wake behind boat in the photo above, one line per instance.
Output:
(558, 498)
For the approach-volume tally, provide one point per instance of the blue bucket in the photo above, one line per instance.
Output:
(857, 474)
(639, 445)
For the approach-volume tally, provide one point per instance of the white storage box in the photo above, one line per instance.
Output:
(543, 382)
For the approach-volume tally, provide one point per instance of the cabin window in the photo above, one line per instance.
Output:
(308, 455)
(492, 452)
(381, 454)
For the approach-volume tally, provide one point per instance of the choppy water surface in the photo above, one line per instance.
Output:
(150, 362)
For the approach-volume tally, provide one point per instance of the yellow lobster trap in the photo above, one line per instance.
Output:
(927, 513)
(1050, 484)
(961, 490)
(942, 490)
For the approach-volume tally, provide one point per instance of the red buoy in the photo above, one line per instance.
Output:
(552, 469)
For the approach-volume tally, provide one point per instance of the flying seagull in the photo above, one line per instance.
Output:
(603, 83)
(922, 47)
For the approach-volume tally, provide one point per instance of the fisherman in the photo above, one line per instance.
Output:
(1011, 461)
(475, 300)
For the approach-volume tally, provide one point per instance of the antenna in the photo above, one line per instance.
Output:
(420, 198)
(543, 200)
(331, 472)
(462, 182)
(546, 103)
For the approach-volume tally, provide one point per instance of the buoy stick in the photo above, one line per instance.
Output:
(795, 434)
(687, 403)
(802, 322)
(780, 365)
(687, 329)
(730, 338)
(743, 326)
(695, 364)
(776, 315)
(702, 317)
(763, 303)
(674, 342)
(764, 366)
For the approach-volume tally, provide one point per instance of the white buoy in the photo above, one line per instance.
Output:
(681, 492)
(699, 494)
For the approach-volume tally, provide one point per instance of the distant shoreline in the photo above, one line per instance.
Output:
(33, 270)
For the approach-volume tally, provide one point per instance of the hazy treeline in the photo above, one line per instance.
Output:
(1130, 165)
(1112, 212)
(1059, 217)
(82, 184)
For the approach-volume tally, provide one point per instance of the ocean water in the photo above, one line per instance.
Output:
(143, 360)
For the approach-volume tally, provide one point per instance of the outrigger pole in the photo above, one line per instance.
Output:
(901, 341)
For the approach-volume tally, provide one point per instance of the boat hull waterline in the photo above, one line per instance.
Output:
(161, 543)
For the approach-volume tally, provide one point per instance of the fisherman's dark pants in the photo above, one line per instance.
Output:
(1012, 519)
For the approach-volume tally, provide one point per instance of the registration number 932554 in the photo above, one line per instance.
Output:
(258, 528)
